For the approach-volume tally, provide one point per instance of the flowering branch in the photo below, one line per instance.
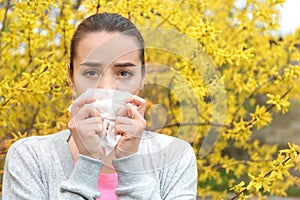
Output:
(5, 15)
(265, 176)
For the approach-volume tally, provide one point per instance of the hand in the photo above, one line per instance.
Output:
(86, 126)
(130, 124)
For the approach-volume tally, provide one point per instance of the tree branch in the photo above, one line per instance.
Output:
(98, 6)
(286, 93)
(273, 105)
(5, 15)
(197, 124)
(265, 176)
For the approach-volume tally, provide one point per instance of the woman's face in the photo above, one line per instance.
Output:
(109, 61)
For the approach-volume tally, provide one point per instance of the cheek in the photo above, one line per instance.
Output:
(79, 87)
(130, 85)
(82, 85)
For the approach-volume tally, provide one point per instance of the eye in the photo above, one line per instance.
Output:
(91, 73)
(124, 74)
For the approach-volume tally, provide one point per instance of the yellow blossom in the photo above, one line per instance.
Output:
(261, 117)
(259, 182)
(280, 103)
(238, 43)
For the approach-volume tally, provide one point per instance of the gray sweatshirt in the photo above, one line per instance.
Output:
(42, 167)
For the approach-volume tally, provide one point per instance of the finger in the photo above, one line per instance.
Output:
(130, 111)
(133, 113)
(139, 102)
(122, 112)
(123, 120)
(89, 96)
(95, 128)
(84, 98)
(85, 130)
(86, 111)
(93, 120)
(128, 131)
(124, 129)
(87, 140)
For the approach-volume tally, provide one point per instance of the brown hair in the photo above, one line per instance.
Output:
(108, 22)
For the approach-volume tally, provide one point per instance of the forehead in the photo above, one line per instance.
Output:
(107, 47)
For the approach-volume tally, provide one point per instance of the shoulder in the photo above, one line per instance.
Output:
(153, 142)
(160, 151)
(34, 145)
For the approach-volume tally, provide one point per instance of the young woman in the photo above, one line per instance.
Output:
(107, 52)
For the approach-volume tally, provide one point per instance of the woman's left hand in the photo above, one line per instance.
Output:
(130, 124)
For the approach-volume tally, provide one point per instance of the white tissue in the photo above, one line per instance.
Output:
(109, 102)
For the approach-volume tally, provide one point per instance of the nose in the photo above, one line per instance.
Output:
(107, 81)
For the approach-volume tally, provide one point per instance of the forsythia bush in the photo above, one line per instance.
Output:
(252, 74)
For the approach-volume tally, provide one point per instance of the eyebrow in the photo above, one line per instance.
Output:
(97, 64)
(125, 64)
(91, 64)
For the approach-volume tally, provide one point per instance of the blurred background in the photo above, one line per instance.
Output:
(284, 128)
(243, 38)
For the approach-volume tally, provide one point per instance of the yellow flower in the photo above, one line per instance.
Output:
(280, 103)
(239, 187)
(280, 170)
(261, 117)
(259, 182)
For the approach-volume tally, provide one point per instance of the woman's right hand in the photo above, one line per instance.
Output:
(86, 126)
